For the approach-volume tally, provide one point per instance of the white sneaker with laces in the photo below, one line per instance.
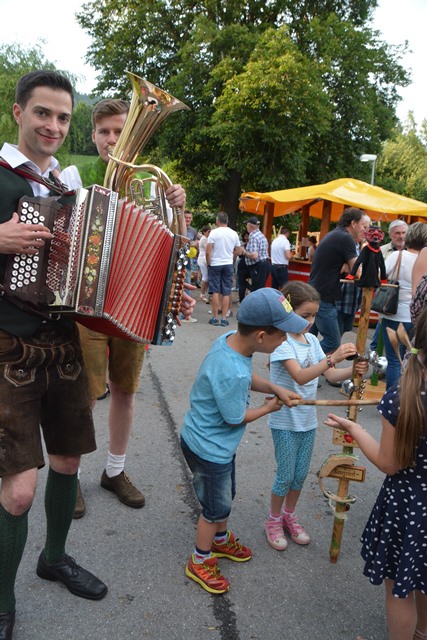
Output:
(296, 531)
(275, 536)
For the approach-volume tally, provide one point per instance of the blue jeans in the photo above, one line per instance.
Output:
(214, 484)
(188, 273)
(327, 325)
(279, 276)
(345, 321)
(374, 341)
(392, 373)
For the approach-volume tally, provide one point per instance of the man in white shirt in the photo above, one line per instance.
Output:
(280, 255)
(397, 233)
(223, 244)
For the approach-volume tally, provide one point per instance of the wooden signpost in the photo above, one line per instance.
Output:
(343, 483)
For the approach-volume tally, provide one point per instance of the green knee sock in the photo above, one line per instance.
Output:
(59, 503)
(13, 536)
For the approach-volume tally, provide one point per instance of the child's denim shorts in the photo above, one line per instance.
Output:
(214, 484)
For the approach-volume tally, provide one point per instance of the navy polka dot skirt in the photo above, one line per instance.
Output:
(394, 542)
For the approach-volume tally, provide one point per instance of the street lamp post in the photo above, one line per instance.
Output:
(369, 157)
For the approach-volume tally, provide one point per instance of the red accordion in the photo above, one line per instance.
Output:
(114, 267)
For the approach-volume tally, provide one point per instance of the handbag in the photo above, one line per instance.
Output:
(386, 298)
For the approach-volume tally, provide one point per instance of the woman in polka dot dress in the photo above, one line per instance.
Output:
(394, 542)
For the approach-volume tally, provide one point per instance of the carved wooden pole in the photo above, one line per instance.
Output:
(343, 483)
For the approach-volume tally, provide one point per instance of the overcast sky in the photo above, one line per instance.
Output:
(66, 44)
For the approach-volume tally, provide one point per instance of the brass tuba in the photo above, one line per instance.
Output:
(148, 108)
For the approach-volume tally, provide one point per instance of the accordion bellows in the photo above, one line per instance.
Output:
(114, 267)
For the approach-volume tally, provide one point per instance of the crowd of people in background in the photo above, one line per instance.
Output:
(251, 263)
(247, 262)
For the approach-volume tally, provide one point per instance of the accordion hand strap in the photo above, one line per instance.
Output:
(26, 306)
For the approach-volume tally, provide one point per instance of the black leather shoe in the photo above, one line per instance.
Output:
(334, 384)
(7, 622)
(75, 578)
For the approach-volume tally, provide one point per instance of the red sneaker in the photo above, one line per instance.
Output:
(232, 549)
(207, 574)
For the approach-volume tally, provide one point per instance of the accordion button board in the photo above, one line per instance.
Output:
(27, 274)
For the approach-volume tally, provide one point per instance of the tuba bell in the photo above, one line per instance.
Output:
(144, 184)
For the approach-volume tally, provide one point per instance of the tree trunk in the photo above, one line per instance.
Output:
(231, 192)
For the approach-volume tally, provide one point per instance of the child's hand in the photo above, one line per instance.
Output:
(361, 367)
(273, 403)
(287, 396)
(346, 350)
(339, 423)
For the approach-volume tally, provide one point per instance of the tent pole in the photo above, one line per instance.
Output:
(267, 225)
(326, 218)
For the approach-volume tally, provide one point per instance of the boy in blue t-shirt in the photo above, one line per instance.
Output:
(215, 422)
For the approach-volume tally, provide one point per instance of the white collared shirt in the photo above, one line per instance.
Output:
(70, 176)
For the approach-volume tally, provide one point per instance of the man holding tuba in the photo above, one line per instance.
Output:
(122, 359)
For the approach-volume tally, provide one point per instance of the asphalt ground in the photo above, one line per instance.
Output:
(141, 554)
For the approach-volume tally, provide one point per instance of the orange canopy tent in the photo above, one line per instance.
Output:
(327, 201)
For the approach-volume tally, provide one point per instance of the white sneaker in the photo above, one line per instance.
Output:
(296, 531)
(275, 536)
(191, 319)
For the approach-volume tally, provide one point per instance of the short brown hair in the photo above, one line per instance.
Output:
(246, 329)
(350, 214)
(44, 78)
(108, 107)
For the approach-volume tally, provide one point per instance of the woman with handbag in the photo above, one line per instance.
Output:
(399, 266)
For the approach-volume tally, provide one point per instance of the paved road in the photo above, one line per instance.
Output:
(141, 554)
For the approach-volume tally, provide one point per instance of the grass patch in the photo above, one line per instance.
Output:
(80, 161)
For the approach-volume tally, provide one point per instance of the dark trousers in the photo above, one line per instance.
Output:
(279, 275)
(242, 278)
(259, 273)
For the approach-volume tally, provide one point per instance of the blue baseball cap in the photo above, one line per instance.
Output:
(269, 308)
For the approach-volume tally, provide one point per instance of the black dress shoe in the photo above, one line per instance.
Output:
(104, 395)
(75, 578)
(7, 622)
(334, 384)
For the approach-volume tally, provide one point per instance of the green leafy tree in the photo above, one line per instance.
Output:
(282, 93)
(360, 77)
(81, 130)
(402, 164)
(264, 119)
(15, 61)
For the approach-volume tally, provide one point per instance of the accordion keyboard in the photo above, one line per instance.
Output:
(24, 271)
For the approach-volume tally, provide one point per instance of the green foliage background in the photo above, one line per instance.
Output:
(282, 94)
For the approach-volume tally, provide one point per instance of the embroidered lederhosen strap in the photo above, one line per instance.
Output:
(53, 185)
